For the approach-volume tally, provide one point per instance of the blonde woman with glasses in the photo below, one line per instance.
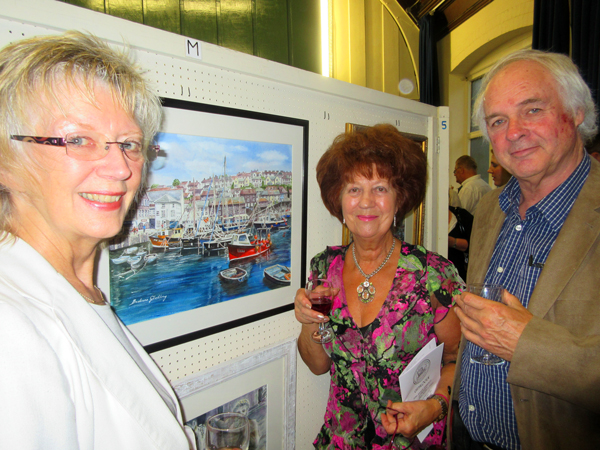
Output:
(77, 119)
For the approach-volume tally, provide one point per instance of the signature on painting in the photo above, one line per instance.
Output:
(154, 298)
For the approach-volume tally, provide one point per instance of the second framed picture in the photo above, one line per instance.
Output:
(218, 235)
(260, 386)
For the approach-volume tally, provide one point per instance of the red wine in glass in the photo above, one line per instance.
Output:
(321, 303)
(320, 293)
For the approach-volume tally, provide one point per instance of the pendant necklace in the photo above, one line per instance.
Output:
(366, 290)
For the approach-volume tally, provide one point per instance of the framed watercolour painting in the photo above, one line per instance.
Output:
(217, 237)
(413, 227)
(260, 386)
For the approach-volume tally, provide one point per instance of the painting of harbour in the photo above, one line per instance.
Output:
(214, 224)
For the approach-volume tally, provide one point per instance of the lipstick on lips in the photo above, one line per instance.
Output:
(367, 218)
(105, 201)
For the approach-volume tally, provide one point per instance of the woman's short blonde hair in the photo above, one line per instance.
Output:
(33, 71)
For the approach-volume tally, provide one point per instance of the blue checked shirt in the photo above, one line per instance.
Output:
(522, 247)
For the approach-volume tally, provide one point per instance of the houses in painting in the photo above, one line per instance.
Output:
(226, 200)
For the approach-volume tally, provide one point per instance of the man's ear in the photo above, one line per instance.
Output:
(579, 117)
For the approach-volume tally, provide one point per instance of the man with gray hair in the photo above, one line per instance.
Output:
(539, 238)
(472, 187)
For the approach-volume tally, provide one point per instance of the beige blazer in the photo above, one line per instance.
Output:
(555, 372)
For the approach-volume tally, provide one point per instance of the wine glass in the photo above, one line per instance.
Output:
(320, 293)
(490, 292)
(227, 431)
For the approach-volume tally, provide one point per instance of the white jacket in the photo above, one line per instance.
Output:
(66, 382)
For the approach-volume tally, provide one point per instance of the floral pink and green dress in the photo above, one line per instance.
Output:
(366, 362)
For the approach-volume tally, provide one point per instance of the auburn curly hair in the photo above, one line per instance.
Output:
(382, 147)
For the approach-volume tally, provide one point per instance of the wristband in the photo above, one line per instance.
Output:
(443, 396)
(443, 401)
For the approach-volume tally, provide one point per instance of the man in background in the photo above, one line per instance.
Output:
(472, 187)
(539, 238)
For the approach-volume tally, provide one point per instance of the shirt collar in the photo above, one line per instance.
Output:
(556, 205)
(470, 179)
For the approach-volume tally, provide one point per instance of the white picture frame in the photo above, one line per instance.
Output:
(274, 367)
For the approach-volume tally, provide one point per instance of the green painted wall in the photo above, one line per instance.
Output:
(285, 31)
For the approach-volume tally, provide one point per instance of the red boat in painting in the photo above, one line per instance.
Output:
(243, 246)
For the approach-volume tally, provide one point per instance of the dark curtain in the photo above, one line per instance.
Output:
(585, 23)
(551, 26)
(430, 29)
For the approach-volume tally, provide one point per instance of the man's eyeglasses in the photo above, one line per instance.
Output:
(89, 146)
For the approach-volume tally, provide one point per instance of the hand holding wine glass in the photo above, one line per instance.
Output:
(490, 292)
(321, 293)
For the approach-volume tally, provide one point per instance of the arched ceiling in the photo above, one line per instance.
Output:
(455, 11)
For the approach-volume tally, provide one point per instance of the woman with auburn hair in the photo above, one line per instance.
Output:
(77, 120)
(393, 297)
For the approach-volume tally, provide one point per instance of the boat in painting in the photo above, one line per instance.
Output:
(127, 254)
(207, 238)
(234, 274)
(152, 257)
(270, 222)
(235, 223)
(137, 261)
(211, 230)
(120, 259)
(167, 241)
(243, 246)
(160, 241)
(278, 274)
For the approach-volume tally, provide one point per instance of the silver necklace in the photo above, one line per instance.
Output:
(366, 290)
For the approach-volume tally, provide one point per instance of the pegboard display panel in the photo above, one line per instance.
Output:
(192, 357)
(227, 78)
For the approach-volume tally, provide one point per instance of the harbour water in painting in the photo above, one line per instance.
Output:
(216, 214)
(181, 281)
